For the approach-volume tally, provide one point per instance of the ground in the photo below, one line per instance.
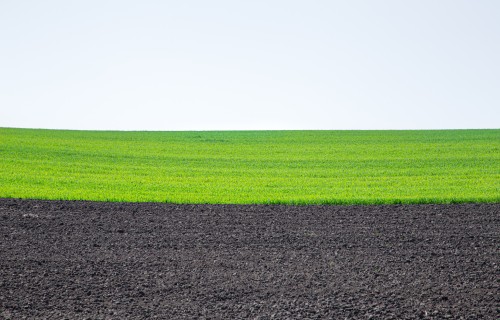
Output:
(90, 260)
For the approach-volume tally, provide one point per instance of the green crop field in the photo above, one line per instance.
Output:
(286, 167)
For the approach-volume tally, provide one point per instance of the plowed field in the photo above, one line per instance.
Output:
(88, 260)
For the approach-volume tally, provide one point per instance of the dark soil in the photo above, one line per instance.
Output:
(87, 260)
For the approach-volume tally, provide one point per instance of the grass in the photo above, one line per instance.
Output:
(285, 167)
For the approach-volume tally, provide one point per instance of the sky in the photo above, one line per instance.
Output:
(250, 65)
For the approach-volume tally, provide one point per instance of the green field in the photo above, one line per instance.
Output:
(286, 167)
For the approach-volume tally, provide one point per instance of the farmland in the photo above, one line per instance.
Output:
(252, 167)
(101, 260)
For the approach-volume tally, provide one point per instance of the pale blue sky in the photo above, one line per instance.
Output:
(219, 65)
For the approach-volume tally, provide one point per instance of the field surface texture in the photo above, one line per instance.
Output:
(92, 260)
(252, 167)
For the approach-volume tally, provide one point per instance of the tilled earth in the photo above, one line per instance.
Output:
(87, 260)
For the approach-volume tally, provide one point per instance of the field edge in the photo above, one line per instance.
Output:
(332, 202)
